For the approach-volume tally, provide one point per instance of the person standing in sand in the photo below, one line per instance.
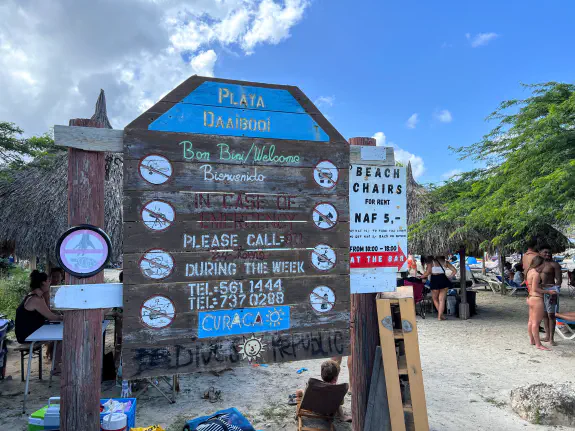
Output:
(439, 282)
(535, 300)
(551, 278)
(528, 256)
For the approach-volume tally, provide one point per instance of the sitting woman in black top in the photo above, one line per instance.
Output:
(33, 311)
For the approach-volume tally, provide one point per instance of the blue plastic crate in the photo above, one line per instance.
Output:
(131, 413)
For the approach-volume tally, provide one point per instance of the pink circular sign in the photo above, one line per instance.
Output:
(83, 251)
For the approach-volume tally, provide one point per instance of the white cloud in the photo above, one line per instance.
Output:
(325, 101)
(480, 39)
(203, 63)
(402, 156)
(54, 56)
(412, 121)
(273, 22)
(446, 45)
(380, 139)
(452, 173)
(444, 116)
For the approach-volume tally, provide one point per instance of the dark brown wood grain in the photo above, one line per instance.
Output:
(189, 206)
(281, 204)
(187, 237)
(82, 340)
(364, 341)
(295, 291)
(299, 259)
(184, 147)
(263, 179)
(193, 356)
(185, 327)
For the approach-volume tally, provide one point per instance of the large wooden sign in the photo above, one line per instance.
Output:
(236, 230)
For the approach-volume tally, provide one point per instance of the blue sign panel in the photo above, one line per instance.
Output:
(243, 321)
(244, 96)
(236, 110)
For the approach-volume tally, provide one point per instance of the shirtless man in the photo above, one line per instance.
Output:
(535, 300)
(551, 277)
(528, 256)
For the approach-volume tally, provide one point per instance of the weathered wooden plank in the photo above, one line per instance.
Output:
(152, 360)
(86, 296)
(187, 87)
(238, 209)
(214, 324)
(377, 412)
(243, 96)
(89, 138)
(186, 237)
(214, 177)
(389, 358)
(227, 121)
(82, 339)
(416, 389)
(180, 267)
(186, 147)
(229, 294)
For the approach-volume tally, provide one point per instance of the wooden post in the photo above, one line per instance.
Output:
(364, 341)
(502, 270)
(463, 306)
(82, 345)
(483, 270)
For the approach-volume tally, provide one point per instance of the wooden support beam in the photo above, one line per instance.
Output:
(502, 271)
(364, 325)
(463, 306)
(82, 345)
(86, 296)
(89, 138)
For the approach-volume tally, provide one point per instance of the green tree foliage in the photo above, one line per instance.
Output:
(14, 149)
(528, 177)
(14, 284)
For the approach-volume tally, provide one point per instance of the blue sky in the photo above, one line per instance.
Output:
(370, 65)
(383, 61)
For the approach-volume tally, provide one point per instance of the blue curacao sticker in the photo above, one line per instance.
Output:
(222, 323)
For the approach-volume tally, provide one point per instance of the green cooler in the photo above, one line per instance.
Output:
(36, 420)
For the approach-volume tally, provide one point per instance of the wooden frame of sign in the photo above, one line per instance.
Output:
(236, 230)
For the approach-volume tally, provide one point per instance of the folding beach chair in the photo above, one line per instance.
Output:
(512, 287)
(564, 322)
(320, 401)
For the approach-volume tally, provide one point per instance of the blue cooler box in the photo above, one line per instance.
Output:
(131, 413)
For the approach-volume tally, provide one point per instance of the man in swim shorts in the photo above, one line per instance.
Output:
(551, 278)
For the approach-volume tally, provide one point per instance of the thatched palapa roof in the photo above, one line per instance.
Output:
(34, 202)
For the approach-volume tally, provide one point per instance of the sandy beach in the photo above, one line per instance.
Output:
(469, 369)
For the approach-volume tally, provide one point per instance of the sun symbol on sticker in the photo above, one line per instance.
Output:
(275, 316)
(252, 348)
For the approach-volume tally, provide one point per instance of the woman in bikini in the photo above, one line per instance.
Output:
(536, 305)
(439, 282)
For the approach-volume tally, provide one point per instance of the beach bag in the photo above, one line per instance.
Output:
(224, 420)
(218, 423)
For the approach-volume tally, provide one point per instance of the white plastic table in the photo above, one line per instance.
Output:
(48, 332)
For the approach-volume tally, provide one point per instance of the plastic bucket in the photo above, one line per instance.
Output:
(115, 422)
